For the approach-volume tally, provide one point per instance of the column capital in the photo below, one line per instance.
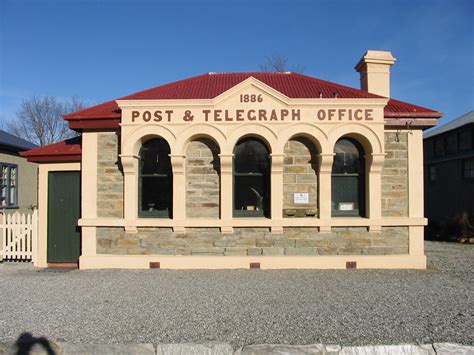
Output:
(277, 162)
(128, 163)
(325, 162)
(177, 163)
(226, 163)
(375, 161)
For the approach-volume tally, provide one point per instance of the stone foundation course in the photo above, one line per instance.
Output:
(253, 242)
(40, 346)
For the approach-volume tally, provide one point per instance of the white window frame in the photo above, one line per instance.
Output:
(5, 183)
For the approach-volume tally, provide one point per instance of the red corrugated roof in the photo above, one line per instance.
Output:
(64, 151)
(396, 108)
(208, 86)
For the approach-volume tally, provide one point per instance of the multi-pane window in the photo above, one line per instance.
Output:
(451, 144)
(439, 147)
(468, 169)
(8, 185)
(155, 180)
(465, 140)
(348, 179)
(432, 173)
(251, 178)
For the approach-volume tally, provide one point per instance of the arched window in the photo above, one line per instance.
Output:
(251, 179)
(348, 179)
(155, 180)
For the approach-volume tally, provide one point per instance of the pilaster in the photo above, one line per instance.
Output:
(276, 196)
(130, 196)
(374, 162)
(227, 187)
(324, 198)
(179, 192)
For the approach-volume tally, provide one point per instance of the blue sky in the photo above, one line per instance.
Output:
(100, 50)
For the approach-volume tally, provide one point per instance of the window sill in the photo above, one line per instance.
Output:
(348, 214)
(255, 222)
(249, 214)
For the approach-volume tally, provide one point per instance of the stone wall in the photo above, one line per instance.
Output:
(395, 175)
(109, 177)
(202, 179)
(253, 241)
(300, 175)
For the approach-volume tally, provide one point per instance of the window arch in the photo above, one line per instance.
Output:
(348, 179)
(155, 180)
(251, 178)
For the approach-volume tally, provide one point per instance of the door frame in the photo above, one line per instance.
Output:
(43, 172)
(61, 254)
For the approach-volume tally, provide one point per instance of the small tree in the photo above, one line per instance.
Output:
(40, 121)
(279, 63)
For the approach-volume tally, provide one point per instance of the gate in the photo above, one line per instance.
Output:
(19, 233)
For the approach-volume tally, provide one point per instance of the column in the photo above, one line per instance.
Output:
(227, 193)
(415, 190)
(276, 194)
(89, 191)
(130, 192)
(324, 198)
(374, 190)
(179, 193)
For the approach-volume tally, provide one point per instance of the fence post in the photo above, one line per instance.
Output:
(34, 236)
(4, 234)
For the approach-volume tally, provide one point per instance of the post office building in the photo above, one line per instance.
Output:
(239, 170)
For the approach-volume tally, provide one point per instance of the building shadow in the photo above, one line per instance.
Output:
(26, 341)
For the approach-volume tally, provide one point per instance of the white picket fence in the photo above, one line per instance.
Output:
(19, 233)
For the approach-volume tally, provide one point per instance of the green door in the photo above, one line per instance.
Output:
(64, 206)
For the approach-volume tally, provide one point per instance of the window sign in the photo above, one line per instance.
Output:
(301, 197)
(346, 206)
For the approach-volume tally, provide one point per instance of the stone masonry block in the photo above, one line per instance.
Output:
(301, 251)
(254, 251)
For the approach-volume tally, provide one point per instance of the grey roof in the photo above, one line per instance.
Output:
(457, 122)
(10, 141)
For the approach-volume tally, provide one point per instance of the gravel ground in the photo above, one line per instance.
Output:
(347, 307)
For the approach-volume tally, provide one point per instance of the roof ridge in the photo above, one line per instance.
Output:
(345, 87)
(164, 85)
(40, 150)
(210, 85)
(253, 72)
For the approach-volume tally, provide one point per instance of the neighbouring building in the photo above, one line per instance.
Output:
(449, 175)
(239, 170)
(18, 177)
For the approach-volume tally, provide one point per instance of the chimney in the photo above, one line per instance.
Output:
(374, 69)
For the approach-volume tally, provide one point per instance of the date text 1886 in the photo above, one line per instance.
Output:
(251, 98)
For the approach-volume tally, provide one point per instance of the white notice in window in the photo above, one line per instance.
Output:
(301, 197)
(346, 206)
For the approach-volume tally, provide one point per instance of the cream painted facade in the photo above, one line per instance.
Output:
(225, 120)
(324, 134)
